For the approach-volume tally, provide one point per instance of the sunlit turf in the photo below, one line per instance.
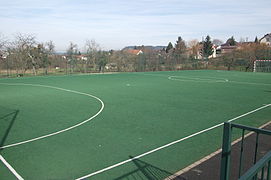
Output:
(142, 111)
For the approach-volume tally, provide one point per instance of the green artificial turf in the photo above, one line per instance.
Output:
(142, 111)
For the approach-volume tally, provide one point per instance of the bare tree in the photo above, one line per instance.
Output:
(229, 60)
(3, 43)
(22, 50)
(50, 47)
(195, 47)
(71, 59)
(3, 52)
(123, 61)
(92, 49)
(253, 51)
(102, 60)
(45, 52)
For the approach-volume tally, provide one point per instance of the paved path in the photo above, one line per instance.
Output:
(210, 169)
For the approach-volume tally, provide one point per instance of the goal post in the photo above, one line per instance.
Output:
(262, 66)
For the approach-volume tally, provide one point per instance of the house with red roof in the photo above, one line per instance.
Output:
(134, 51)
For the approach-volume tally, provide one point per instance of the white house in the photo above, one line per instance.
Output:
(266, 39)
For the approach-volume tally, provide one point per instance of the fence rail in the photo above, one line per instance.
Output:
(260, 168)
(263, 166)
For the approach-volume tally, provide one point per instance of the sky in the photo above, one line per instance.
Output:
(114, 24)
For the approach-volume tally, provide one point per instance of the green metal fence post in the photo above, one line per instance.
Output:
(262, 174)
(268, 170)
(256, 148)
(241, 154)
(226, 152)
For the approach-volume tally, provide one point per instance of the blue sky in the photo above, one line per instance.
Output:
(118, 23)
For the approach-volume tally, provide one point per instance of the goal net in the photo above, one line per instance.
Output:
(262, 66)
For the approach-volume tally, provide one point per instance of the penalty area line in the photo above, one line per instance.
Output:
(60, 131)
(11, 168)
(170, 144)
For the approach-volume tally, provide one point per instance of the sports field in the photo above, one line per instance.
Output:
(123, 125)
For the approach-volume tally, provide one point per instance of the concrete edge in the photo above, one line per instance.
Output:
(191, 166)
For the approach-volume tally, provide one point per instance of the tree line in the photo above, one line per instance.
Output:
(24, 55)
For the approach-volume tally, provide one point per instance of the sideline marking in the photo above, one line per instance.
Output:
(11, 168)
(169, 144)
(197, 79)
(60, 131)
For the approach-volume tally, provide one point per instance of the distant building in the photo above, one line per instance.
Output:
(78, 57)
(225, 48)
(82, 57)
(266, 39)
(214, 52)
(196, 52)
(134, 51)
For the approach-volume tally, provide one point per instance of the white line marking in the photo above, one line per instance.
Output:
(63, 130)
(222, 80)
(197, 79)
(169, 144)
(157, 75)
(11, 168)
(206, 158)
(191, 78)
(250, 83)
(213, 80)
